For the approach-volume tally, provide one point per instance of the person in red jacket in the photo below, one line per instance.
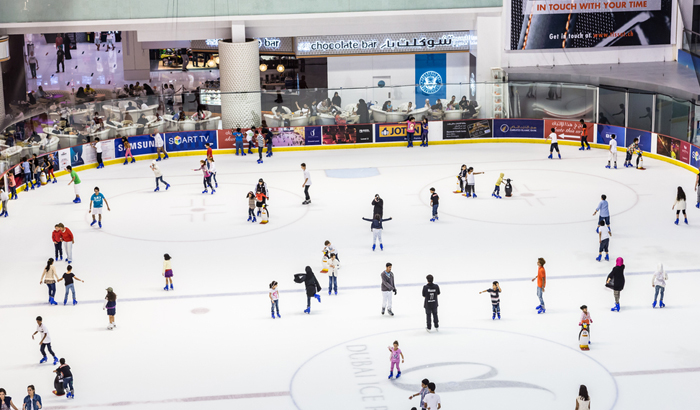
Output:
(68, 242)
(57, 238)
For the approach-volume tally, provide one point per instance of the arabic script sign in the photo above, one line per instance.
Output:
(384, 43)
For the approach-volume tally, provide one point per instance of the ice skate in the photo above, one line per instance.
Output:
(213, 191)
(499, 316)
(110, 327)
(581, 149)
(307, 310)
(661, 304)
(615, 308)
(250, 218)
(543, 310)
(99, 224)
(205, 191)
(65, 302)
(374, 247)
(686, 221)
(54, 181)
(329, 292)
(126, 162)
(493, 316)
(253, 220)
(599, 257)
(273, 315)
(167, 186)
(171, 286)
(381, 246)
(390, 312)
(166, 287)
(258, 212)
(382, 311)
(75, 302)
(538, 307)
(391, 375)
(588, 149)
(676, 221)
(427, 329)
(474, 195)
(432, 219)
(318, 297)
(43, 360)
(550, 156)
(494, 195)
(607, 257)
(335, 292)
(615, 166)
(653, 305)
(52, 301)
(278, 315)
(133, 160)
(559, 155)
(157, 189)
(607, 166)
(399, 373)
(93, 222)
(55, 360)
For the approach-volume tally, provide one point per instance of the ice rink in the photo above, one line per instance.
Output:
(211, 343)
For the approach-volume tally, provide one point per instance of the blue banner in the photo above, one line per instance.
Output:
(76, 155)
(695, 156)
(518, 128)
(431, 76)
(312, 135)
(606, 131)
(140, 145)
(189, 140)
(644, 139)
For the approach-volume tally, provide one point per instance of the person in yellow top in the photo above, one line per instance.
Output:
(497, 190)
(49, 278)
(168, 271)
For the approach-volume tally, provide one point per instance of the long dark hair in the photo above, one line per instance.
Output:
(111, 296)
(48, 264)
(583, 392)
(680, 196)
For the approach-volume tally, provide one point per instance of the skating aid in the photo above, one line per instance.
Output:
(584, 338)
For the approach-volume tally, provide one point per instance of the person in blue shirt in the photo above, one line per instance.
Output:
(96, 201)
(604, 211)
(27, 170)
(239, 141)
(32, 401)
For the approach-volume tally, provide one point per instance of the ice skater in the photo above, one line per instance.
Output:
(262, 194)
(423, 391)
(69, 276)
(210, 152)
(471, 182)
(541, 283)
(495, 292)
(238, 136)
(96, 206)
(612, 148)
(4, 199)
(127, 151)
(160, 146)
(6, 401)
(394, 358)
(554, 145)
(616, 281)
(68, 242)
(67, 378)
(211, 166)
(48, 277)
(328, 248)
(45, 341)
(378, 204)
(251, 206)
(159, 176)
(312, 286)
(110, 306)
(75, 180)
(268, 141)
(434, 203)
(274, 299)
(168, 271)
(432, 400)
(388, 288)
(27, 171)
(377, 229)
(679, 205)
(462, 179)
(333, 269)
(631, 151)
(658, 282)
(497, 190)
(604, 235)
(98, 150)
(410, 130)
(12, 184)
(583, 401)
(584, 136)
(431, 291)
(49, 168)
(206, 177)
(604, 210)
(586, 321)
(306, 185)
(260, 140)
(424, 132)
(249, 136)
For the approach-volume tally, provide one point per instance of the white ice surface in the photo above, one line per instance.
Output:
(162, 355)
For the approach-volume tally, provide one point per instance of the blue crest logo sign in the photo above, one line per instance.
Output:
(430, 82)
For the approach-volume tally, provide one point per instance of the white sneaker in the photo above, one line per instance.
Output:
(428, 330)
(110, 327)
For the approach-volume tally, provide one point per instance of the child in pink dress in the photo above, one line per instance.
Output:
(395, 354)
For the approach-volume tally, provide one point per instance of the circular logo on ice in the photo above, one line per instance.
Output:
(430, 82)
(467, 365)
(504, 128)
(177, 140)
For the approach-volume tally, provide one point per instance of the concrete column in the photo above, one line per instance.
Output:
(4, 56)
(137, 64)
(240, 83)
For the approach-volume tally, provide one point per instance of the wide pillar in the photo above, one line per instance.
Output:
(136, 60)
(4, 56)
(240, 83)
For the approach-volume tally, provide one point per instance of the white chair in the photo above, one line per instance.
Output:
(271, 120)
(453, 115)
(154, 126)
(170, 124)
(325, 119)
(51, 143)
(396, 116)
(102, 135)
(419, 113)
(67, 140)
(299, 121)
(377, 114)
(187, 125)
(350, 108)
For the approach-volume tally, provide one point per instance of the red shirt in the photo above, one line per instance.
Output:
(541, 277)
(56, 236)
(210, 153)
(67, 235)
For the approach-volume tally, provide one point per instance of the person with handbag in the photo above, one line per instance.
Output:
(616, 282)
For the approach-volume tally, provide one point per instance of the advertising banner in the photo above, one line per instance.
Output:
(288, 137)
(395, 132)
(644, 139)
(190, 140)
(226, 140)
(466, 129)
(64, 158)
(313, 135)
(76, 155)
(567, 24)
(567, 130)
(140, 145)
(347, 134)
(431, 75)
(685, 152)
(605, 132)
(668, 147)
(695, 156)
(518, 128)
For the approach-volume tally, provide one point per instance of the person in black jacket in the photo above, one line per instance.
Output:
(430, 293)
(312, 287)
(377, 229)
(66, 377)
(4, 398)
(616, 281)
(378, 204)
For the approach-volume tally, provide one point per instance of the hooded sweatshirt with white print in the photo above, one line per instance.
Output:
(660, 277)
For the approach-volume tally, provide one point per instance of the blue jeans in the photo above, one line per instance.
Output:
(497, 307)
(68, 381)
(539, 295)
(604, 218)
(435, 207)
(239, 145)
(656, 292)
(160, 178)
(269, 149)
(410, 139)
(332, 283)
(69, 288)
(275, 306)
(52, 289)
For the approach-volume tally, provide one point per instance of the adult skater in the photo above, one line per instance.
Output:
(613, 151)
(679, 205)
(260, 141)
(604, 211)
(631, 151)
(307, 184)
(312, 286)
(6, 401)
(96, 201)
(432, 400)
(68, 242)
(69, 276)
(554, 145)
(261, 192)
(430, 304)
(616, 281)
(583, 401)
(584, 136)
(378, 204)
(434, 203)
(658, 282)
(110, 306)
(32, 401)
(541, 283)
(48, 277)
(238, 136)
(159, 176)
(423, 391)
(160, 145)
(377, 229)
(66, 377)
(75, 180)
(45, 341)
(388, 288)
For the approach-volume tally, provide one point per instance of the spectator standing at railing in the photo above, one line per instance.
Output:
(27, 170)
(12, 184)
(239, 141)
(37, 168)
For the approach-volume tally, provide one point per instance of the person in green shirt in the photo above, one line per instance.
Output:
(75, 180)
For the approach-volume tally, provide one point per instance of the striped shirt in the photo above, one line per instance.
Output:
(494, 296)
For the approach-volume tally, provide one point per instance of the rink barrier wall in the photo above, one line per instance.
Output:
(191, 143)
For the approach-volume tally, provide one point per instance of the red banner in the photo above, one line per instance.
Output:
(228, 141)
(685, 152)
(567, 130)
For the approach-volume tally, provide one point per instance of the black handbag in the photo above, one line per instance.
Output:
(611, 283)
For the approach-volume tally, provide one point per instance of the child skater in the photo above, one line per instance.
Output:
(49, 168)
(424, 132)
(329, 248)
(586, 320)
(110, 306)
(613, 152)
(333, 268)
(471, 182)
(207, 177)
(495, 299)
(604, 235)
(497, 190)
(211, 165)
(462, 178)
(395, 354)
(159, 176)
(679, 205)
(4, 199)
(541, 283)
(168, 271)
(631, 150)
(12, 183)
(434, 202)
(554, 145)
(274, 298)
(658, 282)
(127, 151)
(251, 206)
(377, 229)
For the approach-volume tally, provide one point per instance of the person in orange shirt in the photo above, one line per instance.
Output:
(541, 282)
(68, 242)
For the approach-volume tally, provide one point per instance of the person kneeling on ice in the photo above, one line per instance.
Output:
(312, 286)
(497, 190)
(586, 321)
(554, 145)
(616, 281)
(377, 229)
(394, 358)
(66, 378)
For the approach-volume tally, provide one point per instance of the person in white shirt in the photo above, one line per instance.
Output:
(45, 341)
(98, 149)
(432, 400)
(554, 145)
(160, 145)
(110, 40)
(249, 137)
(306, 184)
(159, 176)
(583, 401)
(604, 235)
(613, 151)
(333, 268)
(658, 282)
